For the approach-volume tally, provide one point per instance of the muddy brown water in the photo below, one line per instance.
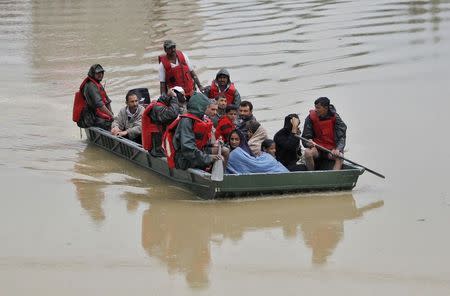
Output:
(76, 220)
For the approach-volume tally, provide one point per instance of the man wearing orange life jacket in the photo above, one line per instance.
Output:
(175, 69)
(222, 86)
(157, 116)
(323, 126)
(98, 105)
(186, 140)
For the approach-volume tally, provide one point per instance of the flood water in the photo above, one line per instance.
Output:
(77, 220)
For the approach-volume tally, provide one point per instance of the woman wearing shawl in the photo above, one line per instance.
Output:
(242, 161)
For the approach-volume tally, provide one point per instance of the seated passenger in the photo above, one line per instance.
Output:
(268, 146)
(256, 134)
(323, 126)
(92, 106)
(211, 111)
(222, 85)
(157, 116)
(222, 104)
(245, 115)
(226, 124)
(186, 139)
(241, 160)
(287, 142)
(127, 123)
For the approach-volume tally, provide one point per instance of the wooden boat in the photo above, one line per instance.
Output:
(200, 181)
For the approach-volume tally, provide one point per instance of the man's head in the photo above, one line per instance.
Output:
(231, 111)
(245, 109)
(322, 105)
(169, 47)
(252, 126)
(132, 101)
(96, 72)
(211, 111)
(222, 101)
(177, 91)
(223, 77)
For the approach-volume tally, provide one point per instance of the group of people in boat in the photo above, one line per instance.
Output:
(193, 129)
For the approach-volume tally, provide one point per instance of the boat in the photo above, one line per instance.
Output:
(233, 185)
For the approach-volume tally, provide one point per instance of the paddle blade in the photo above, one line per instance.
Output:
(217, 171)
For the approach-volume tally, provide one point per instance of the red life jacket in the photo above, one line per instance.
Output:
(201, 129)
(149, 127)
(79, 102)
(323, 130)
(179, 75)
(228, 92)
(224, 128)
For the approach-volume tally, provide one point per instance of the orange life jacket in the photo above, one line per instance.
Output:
(79, 102)
(323, 130)
(202, 131)
(149, 127)
(228, 92)
(179, 75)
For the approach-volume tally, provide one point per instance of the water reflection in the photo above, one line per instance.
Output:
(99, 174)
(180, 234)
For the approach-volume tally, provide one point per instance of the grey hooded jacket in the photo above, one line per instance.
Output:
(237, 96)
(132, 124)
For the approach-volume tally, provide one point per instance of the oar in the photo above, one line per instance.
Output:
(346, 159)
(217, 169)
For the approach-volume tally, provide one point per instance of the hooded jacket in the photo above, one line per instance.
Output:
(187, 153)
(90, 90)
(235, 96)
(288, 144)
(340, 129)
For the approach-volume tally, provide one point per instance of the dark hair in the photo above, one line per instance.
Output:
(129, 94)
(322, 101)
(266, 144)
(252, 125)
(246, 104)
(228, 108)
(242, 141)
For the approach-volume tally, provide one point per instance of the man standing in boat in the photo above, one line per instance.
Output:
(157, 116)
(324, 127)
(186, 140)
(176, 69)
(96, 110)
(222, 86)
(128, 122)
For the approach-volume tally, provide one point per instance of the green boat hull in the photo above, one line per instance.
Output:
(200, 181)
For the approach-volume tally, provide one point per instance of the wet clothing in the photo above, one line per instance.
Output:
(163, 113)
(130, 122)
(185, 141)
(288, 146)
(340, 130)
(96, 97)
(213, 91)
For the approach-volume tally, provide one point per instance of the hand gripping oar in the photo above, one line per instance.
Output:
(346, 159)
(217, 169)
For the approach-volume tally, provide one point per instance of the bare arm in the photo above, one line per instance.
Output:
(162, 88)
(195, 77)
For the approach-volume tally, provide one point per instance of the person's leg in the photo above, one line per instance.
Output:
(338, 163)
(310, 155)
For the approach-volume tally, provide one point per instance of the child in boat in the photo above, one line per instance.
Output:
(226, 123)
(268, 146)
(242, 161)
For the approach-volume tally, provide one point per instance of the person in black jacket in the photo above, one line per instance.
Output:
(288, 150)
